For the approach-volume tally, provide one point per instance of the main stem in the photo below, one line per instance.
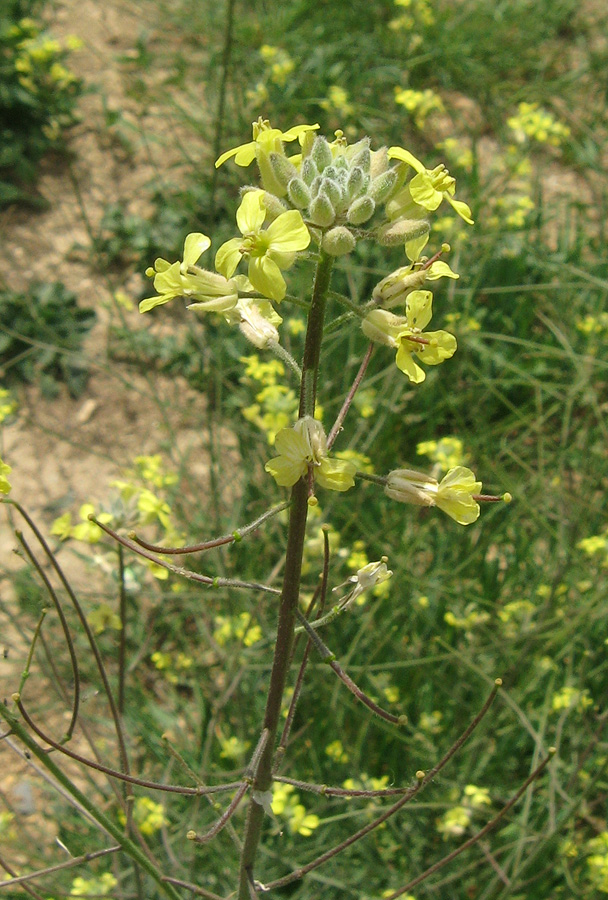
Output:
(291, 582)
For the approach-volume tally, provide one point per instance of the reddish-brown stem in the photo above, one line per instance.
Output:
(476, 837)
(387, 814)
(193, 888)
(328, 657)
(326, 791)
(233, 537)
(322, 589)
(66, 632)
(115, 773)
(333, 434)
(179, 570)
(223, 819)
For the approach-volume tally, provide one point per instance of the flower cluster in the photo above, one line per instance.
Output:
(533, 123)
(326, 195)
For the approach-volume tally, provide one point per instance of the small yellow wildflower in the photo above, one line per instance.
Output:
(303, 445)
(268, 250)
(5, 470)
(407, 336)
(427, 188)
(204, 290)
(264, 136)
(455, 494)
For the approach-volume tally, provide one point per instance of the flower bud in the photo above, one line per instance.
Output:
(273, 206)
(395, 288)
(321, 153)
(309, 170)
(401, 231)
(283, 170)
(298, 193)
(378, 162)
(361, 211)
(321, 211)
(355, 183)
(306, 142)
(381, 187)
(361, 157)
(338, 241)
(332, 191)
(269, 180)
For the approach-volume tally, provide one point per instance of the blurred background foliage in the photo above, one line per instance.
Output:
(512, 96)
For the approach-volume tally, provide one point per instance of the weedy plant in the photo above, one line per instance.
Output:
(43, 342)
(38, 95)
(316, 207)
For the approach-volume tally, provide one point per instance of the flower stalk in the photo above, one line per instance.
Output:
(291, 583)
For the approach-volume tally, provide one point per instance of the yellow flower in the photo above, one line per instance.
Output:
(269, 250)
(86, 530)
(447, 453)
(305, 444)
(4, 483)
(204, 290)
(406, 334)
(454, 494)
(394, 288)
(427, 188)
(266, 137)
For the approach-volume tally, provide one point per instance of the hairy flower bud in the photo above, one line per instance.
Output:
(298, 193)
(306, 141)
(361, 211)
(283, 170)
(269, 180)
(321, 211)
(332, 191)
(356, 183)
(273, 206)
(378, 162)
(382, 185)
(309, 170)
(401, 231)
(361, 155)
(338, 241)
(321, 153)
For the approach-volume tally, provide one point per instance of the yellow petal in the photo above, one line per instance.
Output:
(335, 474)
(251, 213)
(194, 246)
(406, 157)
(244, 154)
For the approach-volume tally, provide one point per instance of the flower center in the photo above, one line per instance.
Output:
(255, 244)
